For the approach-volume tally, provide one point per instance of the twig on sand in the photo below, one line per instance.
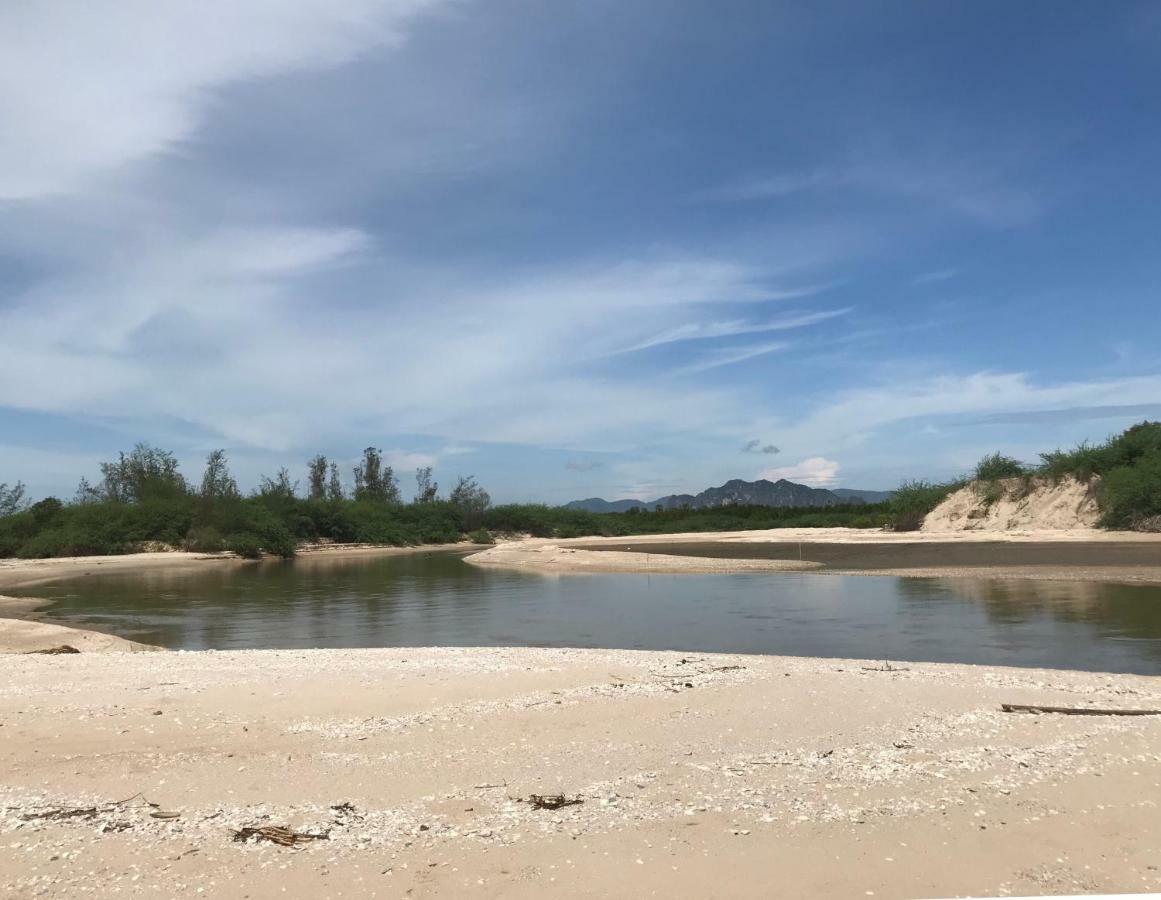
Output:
(886, 667)
(63, 812)
(551, 801)
(277, 834)
(1076, 710)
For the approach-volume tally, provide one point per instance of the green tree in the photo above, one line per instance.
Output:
(426, 490)
(12, 499)
(217, 482)
(375, 481)
(335, 491)
(316, 482)
(471, 500)
(146, 473)
(280, 486)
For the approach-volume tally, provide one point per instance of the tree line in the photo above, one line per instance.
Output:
(143, 500)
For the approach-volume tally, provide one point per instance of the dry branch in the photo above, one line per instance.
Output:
(551, 801)
(1076, 710)
(276, 834)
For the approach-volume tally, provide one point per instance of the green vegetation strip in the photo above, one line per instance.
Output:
(143, 501)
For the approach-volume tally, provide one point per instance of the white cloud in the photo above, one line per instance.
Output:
(695, 331)
(817, 471)
(406, 461)
(854, 416)
(87, 88)
(935, 276)
(972, 187)
(728, 356)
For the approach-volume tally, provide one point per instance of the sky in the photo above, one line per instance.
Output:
(618, 248)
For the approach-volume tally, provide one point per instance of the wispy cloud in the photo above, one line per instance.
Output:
(695, 331)
(728, 356)
(988, 193)
(87, 116)
(583, 465)
(935, 276)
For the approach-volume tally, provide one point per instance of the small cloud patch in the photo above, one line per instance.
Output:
(817, 471)
(582, 465)
(756, 446)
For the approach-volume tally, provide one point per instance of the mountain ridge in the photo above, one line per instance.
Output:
(736, 492)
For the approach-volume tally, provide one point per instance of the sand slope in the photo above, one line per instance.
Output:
(1069, 505)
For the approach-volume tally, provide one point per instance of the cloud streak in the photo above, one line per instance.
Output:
(89, 116)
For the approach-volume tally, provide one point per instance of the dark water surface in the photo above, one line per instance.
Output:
(438, 599)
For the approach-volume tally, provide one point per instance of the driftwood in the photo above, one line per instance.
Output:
(1076, 710)
(64, 812)
(276, 834)
(551, 801)
(53, 651)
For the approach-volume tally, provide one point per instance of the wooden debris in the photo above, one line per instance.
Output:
(53, 651)
(551, 801)
(277, 834)
(1076, 710)
(63, 812)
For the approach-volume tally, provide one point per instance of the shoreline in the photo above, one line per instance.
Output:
(1082, 555)
(23, 628)
(696, 775)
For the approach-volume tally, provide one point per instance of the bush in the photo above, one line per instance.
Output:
(913, 500)
(1131, 495)
(997, 466)
(1081, 463)
(481, 536)
(205, 539)
(245, 544)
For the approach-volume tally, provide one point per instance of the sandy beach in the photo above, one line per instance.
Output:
(1072, 555)
(696, 776)
(686, 775)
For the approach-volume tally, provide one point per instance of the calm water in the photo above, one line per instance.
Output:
(437, 599)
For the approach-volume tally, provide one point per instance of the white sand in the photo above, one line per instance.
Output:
(765, 776)
(1065, 506)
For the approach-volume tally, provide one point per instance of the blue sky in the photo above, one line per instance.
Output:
(602, 248)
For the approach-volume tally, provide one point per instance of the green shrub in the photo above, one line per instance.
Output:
(205, 539)
(1131, 495)
(481, 536)
(913, 500)
(245, 544)
(996, 466)
(990, 492)
(1081, 463)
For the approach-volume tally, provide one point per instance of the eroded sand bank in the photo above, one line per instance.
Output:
(700, 776)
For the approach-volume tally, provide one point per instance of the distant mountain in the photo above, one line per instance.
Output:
(732, 493)
(849, 495)
(596, 504)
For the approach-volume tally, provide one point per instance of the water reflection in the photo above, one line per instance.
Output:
(437, 599)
